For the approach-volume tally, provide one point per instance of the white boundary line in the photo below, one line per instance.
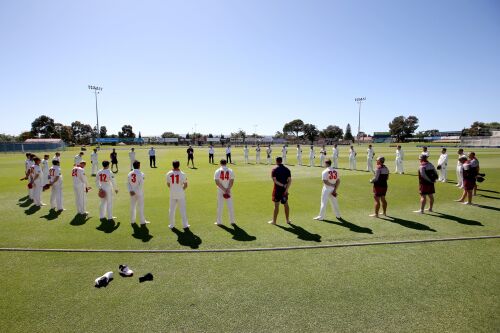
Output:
(23, 249)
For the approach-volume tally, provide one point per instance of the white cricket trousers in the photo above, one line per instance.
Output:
(56, 201)
(80, 198)
(369, 164)
(132, 164)
(299, 159)
(37, 193)
(335, 162)
(284, 159)
(246, 158)
(352, 163)
(95, 166)
(326, 195)
(311, 161)
(322, 160)
(257, 158)
(182, 209)
(443, 173)
(460, 179)
(220, 207)
(399, 166)
(137, 203)
(106, 206)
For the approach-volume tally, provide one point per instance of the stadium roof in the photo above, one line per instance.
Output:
(43, 141)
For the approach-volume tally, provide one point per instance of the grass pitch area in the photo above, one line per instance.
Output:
(451, 286)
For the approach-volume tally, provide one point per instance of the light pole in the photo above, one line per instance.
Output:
(359, 100)
(96, 91)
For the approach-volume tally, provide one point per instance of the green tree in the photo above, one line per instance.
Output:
(311, 132)
(169, 135)
(126, 132)
(43, 126)
(402, 128)
(294, 127)
(332, 132)
(348, 133)
(81, 133)
(25, 136)
(7, 138)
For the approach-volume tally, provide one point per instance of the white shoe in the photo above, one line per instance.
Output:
(103, 281)
(145, 222)
(318, 218)
(418, 211)
(170, 226)
(125, 271)
(187, 226)
(217, 223)
(271, 222)
(466, 203)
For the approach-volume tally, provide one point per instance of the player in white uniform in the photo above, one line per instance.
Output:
(94, 160)
(257, 154)
(443, 166)
(352, 158)
(335, 156)
(78, 158)
(224, 179)
(426, 152)
(283, 153)
(28, 165)
(369, 159)
(311, 156)
(269, 151)
(37, 182)
(57, 157)
(131, 157)
(45, 169)
(80, 187)
(55, 181)
(400, 155)
(105, 181)
(245, 154)
(299, 155)
(322, 156)
(177, 183)
(459, 170)
(135, 184)
(331, 182)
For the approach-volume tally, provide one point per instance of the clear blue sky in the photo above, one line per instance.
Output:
(225, 65)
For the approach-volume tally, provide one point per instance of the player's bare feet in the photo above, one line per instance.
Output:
(272, 222)
(418, 211)
(318, 218)
(459, 200)
(373, 215)
(428, 209)
(288, 222)
(467, 203)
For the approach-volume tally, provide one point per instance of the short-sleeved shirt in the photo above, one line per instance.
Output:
(331, 175)
(37, 170)
(190, 152)
(176, 179)
(224, 175)
(152, 152)
(135, 181)
(55, 171)
(281, 173)
(114, 157)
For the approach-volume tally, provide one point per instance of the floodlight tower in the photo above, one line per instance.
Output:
(96, 90)
(359, 100)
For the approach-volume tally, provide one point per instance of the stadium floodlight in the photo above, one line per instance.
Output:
(96, 90)
(359, 100)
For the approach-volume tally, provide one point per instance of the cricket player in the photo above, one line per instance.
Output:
(335, 156)
(311, 156)
(269, 151)
(94, 160)
(131, 157)
(245, 154)
(322, 156)
(105, 181)
(369, 159)
(55, 181)
(45, 169)
(427, 175)
(443, 166)
(257, 154)
(352, 158)
(177, 183)
(331, 183)
(470, 172)
(37, 182)
(224, 179)
(282, 179)
(80, 187)
(211, 152)
(135, 185)
(380, 186)
(425, 151)
(460, 179)
(152, 158)
(114, 160)
(228, 154)
(299, 155)
(57, 156)
(78, 158)
(29, 165)
(400, 156)
(283, 153)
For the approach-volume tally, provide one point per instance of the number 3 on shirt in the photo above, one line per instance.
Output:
(224, 175)
(332, 174)
(174, 179)
(133, 178)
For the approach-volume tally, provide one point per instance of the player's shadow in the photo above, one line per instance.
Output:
(301, 233)
(25, 204)
(79, 219)
(351, 226)
(141, 232)
(488, 196)
(187, 238)
(108, 226)
(487, 207)
(32, 210)
(26, 197)
(238, 233)
(51, 215)
(490, 191)
(408, 223)
(456, 219)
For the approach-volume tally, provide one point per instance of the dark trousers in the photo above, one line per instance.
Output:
(228, 158)
(152, 161)
(211, 158)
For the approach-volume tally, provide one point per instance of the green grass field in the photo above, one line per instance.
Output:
(426, 287)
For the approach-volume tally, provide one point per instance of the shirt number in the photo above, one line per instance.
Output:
(224, 175)
(174, 179)
(332, 175)
(103, 178)
(133, 178)
(52, 172)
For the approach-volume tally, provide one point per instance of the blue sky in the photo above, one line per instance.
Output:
(220, 66)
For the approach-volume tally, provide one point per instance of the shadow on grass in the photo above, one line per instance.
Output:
(25, 204)
(238, 233)
(187, 238)
(301, 233)
(51, 215)
(108, 226)
(32, 210)
(489, 191)
(79, 219)
(141, 232)
(456, 219)
(488, 196)
(351, 226)
(26, 197)
(408, 223)
(488, 207)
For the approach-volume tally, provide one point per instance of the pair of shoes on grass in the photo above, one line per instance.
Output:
(124, 271)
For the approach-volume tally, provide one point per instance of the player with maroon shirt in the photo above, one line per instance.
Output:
(427, 175)
(380, 186)
(470, 172)
(282, 178)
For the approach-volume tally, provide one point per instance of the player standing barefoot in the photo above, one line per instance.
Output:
(427, 175)
(380, 186)
(331, 183)
(135, 184)
(94, 160)
(80, 187)
(224, 179)
(105, 181)
(55, 181)
(282, 178)
(177, 183)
